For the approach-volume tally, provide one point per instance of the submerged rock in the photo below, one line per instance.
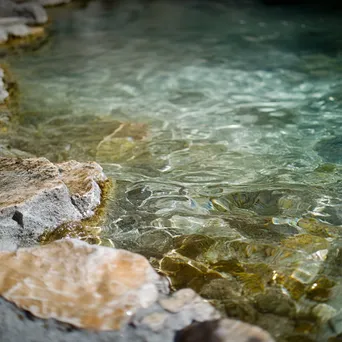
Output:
(83, 138)
(330, 150)
(37, 195)
(114, 293)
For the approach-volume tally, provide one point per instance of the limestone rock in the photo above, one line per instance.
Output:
(37, 195)
(115, 294)
(77, 283)
(225, 330)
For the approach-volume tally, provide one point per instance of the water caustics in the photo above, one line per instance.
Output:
(221, 123)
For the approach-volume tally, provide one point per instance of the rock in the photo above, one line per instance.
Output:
(53, 2)
(7, 151)
(275, 301)
(80, 284)
(38, 195)
(18, 30)
(225, 330)
(83, 138)
(32, 12)
(330, 150)
(3, 91)
(82, 180)
(114, 293)
(126, 142)
(7, 8)
(8, 21)
(3, 39)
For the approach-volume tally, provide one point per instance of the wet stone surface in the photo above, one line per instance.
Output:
(37, 195)
(115, 294)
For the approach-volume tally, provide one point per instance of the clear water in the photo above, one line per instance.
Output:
(243, 110)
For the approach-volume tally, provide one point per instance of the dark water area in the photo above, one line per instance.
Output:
(221, 122)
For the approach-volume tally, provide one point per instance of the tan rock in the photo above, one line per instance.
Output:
(84, 285)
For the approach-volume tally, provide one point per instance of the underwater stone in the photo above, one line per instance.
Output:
(184, 272)
(126, 142)
(330, 150)
(275, 301)
(36, 195)
(306, 242)
(192, 245)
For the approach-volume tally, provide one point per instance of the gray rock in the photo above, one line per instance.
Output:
(36, 195)
(18, 30)
(226, 330)
(3, 39)
(31, 12)
(12, 21)
(3, 92)
(53, 2)
(7, 8)
(151, 324)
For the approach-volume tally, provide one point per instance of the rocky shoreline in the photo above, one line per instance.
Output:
(69, 290)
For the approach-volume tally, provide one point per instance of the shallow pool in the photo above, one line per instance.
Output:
(221, 123)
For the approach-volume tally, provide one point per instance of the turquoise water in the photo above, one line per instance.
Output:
(243, 139)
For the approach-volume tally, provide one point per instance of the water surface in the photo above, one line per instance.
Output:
(230, 174)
